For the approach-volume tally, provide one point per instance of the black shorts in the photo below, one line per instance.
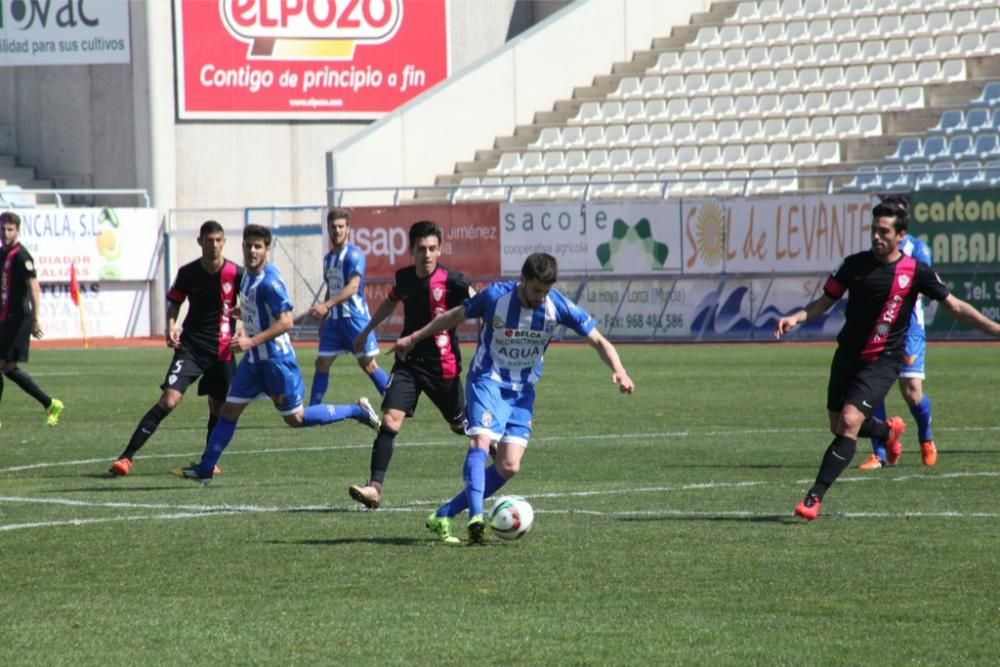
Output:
(863, 384)
(407, 383)
(187, 366)
(15, 339)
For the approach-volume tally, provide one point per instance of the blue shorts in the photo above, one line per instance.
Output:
(279, 380)
(503, 414)
(337, 335)
(913, 356)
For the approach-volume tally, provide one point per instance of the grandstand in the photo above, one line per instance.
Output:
(770, 97)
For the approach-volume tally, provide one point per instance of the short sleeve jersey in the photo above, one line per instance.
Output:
(211, 296)
(880, 300)
(16, 267)
(514, 338)
(921, 252)
(423, 300)
(263, 297)
(338, 267)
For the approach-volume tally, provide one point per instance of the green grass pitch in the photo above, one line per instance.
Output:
(664, 532)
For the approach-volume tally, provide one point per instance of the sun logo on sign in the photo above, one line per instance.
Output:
(710, 233)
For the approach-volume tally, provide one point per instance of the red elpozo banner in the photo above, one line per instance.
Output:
(306, 59)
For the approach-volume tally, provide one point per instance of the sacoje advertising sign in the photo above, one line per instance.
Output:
(961, 227)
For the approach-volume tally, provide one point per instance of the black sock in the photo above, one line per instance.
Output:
(382, 453)
(145, 429)
(25, 382)
(874, 428)
(212, 421)
(835, 461)
(1, 386)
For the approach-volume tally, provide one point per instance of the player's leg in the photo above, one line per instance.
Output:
(399, 402)
(877, 459)
(17, 349)
(214, 385)
(284, 384)
(321, 377)
(911, 385)
(852, 393)
(351, 329)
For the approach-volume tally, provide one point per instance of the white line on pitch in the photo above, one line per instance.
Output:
(457, 441)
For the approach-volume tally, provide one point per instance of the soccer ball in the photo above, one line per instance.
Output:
(511, 517)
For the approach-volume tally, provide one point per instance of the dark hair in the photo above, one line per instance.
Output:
(541, 267)
(424, 228)
(210, 227)
(895, 207)
(9, 217)
(258, 232)
(337, 214)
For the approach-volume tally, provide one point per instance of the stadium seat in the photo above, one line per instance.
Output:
(727, 130)
(637, 133)
(650, 86)
(574, 160)
(668, 62)
(710, 156)
(803, 153)
(828, 152)
(531, 161)
(656, 110)
(821, 127)
(732, 155)
(590, 112)
(960, 147)
(944, 176)
(988, 19)
(659, 133)
(917, 175)
(751, 129)
(971, 174)
(664, 157)
(686, 157)
(509, 163)
(734, 57)
(934, 148)
(869, 125)
(991, 172)
(756, 154)
(533, 188)
(893, 177)
(619, 159)
(865, 179)
(642, 158)
(908, 149)
(987, 147)
(611, 111)
(699, 107)
(991, 43)
(952, 120)
(627, 87)
(990, 96)
(468, 189)
(597, 159)
(572, 135)
(549, 137)
(682, 131)
(780, 153)
(614, 135)
(786, 180)
(553, 161)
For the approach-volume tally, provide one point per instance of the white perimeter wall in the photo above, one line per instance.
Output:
(500, 91)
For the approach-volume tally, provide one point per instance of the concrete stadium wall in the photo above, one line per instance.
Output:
(505, 88)
(115, 126)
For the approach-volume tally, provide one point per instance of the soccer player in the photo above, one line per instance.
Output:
(519, 319)
(433, 367)
(345, 310)
(882, 285)
(20, 300)
(911, 374)
(268, 365)
(201, 347)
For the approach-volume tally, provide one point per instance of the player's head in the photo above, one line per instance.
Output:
(211, 238)
(338, 221)
(889, 222)
(895, 207)
(425, 246)
(10, 223)
(256, 243)
(538, 274)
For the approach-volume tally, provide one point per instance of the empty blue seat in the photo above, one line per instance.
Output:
(992, 172)
(894, 177)
(987, 147)
(935, 148)
(989, 97)
(865, 179)
(971, 174)
(907, 149)
(960, 146)
(977, 120)
(950, 121)
(917, 175)
(943, 175)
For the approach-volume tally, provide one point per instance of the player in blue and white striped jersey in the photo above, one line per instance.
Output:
(519, 319)
(268, 365)
(344, 311)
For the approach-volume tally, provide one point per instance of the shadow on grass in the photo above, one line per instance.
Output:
(347, 541)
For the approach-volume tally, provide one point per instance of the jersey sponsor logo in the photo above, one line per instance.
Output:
(524, 333)
(497, 322)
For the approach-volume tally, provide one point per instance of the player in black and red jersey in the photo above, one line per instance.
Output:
(882, 285)
(434, 367)
(19, 308)
(201, 347)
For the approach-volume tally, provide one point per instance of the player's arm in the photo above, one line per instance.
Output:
(803, 315)
(967, 313)
(381, 313)
(173, 330)
(443, 322)
(36, 306)
(342, 295)
(609, 355)
(283, 323)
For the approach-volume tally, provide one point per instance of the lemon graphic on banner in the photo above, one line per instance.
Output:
(623, 234)
(108, 245)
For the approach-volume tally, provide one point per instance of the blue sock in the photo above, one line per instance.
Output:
(319, 386)
(922, 414)
(474, 474)
(317, 415)
(460, 503)
(221, 435)
(878, 447)
(380, 379)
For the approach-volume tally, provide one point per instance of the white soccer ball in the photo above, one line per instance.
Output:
(511, 517)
